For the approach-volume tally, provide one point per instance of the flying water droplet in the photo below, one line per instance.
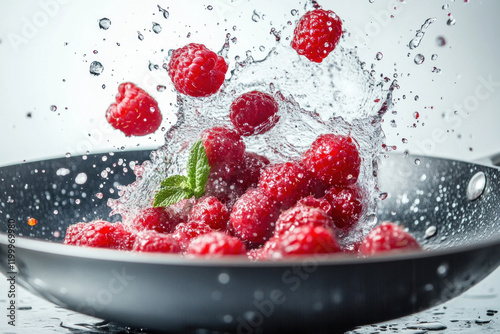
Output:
(379, 56)
(96, 68)
(419, 59)
(140, 36)
(255, 16)
(417, 161)
(156, 28)
(161, 88)
(415, 42)
(383, 196)
(165, 13)
(53, 108)
(434, 57)
(104, 23)
(430, 232)
(440, 41)
(451, 21)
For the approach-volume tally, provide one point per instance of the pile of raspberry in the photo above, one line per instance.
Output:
(250, 207)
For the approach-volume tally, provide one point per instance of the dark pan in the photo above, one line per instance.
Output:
(456, 219)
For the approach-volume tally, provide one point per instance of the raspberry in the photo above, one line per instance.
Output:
(211, 211)
(347, 205)
(100, 233)
(388, 237)
(151, 241)
(317, 34)
(257, 254)
(156, 219)
(135, 112)
(185, 232)
(300, 215)
(306, 239)
(254, 113)
(180, 211)
(318, 203)
(197, 71)
(253, 216)
(286, 182)
(224, 148)
(334, 159)
(215, 244)
(248, 175)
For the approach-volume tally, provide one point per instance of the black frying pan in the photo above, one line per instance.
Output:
(450, 206)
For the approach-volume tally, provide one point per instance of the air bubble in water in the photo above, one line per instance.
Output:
(419, 59)
(104, 23)
(96, 68)
(156, 28)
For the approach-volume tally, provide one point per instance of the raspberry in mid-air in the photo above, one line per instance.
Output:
(334, 159)
(317, 33)
(388, 237)
(254, 113)
(197, 71)
(215, 244)
(135, 112)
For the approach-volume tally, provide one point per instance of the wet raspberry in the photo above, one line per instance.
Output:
(197, 71)
(388, 237)
(317, 33)
(211, 211)
(334, 159)
(154, 242)
(254, 113)
(286, 182)
(249, 173)
(184, 233)
(224, 148)
(100, 233)
(215, 244)
(156, 219)
(253, 216)
(347, 205)
(318, 203)
(306, 239)
(302, 215)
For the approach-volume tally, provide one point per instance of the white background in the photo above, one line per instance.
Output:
(47, 46)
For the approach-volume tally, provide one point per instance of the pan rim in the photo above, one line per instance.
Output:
(103, 254)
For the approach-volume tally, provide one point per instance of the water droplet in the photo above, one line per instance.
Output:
(161, 88)
(430, 232)
(104, 23)
(104, 174)
(210, 7)
(96, 68)
(32, 221)
(156, 28)
(224, 278)
(262, 48)
(404, 140)
(440, 41)
(451, 21)
(415, 42)
(416, 97)
(379, 56)
(419, 59)
(81, 178)
(294, 12)
(165, 13)
(442, 270)
(56, 234)
(255, 16)
(416, 115)
(68, 155)
(383, 196)
(53, 108)
(140, 36)
(431, 326)
(434, 57)
(445, 7)
(99, 195)
(417, 161)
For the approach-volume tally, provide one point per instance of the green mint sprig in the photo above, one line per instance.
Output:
(178, 187)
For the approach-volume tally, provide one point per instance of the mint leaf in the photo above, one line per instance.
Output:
(172, 190)
(198, 169)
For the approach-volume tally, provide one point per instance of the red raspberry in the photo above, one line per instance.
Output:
(286, 182)
(347, 205)
(257, 254)
(301, 215)
(318, 203)
(100, 233)
(334, 159)
(388, 237)
(224, 148)
(135, 112)
(317, 34)
(197, 71)
(253, 216)
(306, 239)
(248, 175)
(215, 244)
(211, 211)
(185, 232)
(180, 211)
(156, 219)
(151, 241)
(254, 113)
